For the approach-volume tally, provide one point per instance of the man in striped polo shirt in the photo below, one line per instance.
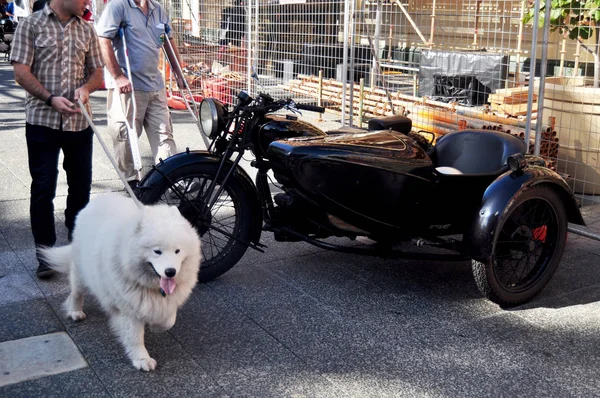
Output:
(56, 59)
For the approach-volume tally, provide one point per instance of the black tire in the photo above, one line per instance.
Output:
(232, 212)
(526, 250)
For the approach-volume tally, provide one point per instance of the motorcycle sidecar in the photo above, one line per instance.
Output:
(513, 220)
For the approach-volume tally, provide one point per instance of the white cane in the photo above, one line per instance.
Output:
(107, 151)
(183, 85)
(131, 128)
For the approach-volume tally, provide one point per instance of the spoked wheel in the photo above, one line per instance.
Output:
(224, 229)
(527, 247)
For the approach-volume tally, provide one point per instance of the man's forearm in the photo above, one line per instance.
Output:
(176, 51)
(29, 82)
(108, 54)
(94, 81)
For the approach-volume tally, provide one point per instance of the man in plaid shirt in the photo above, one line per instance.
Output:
(56, 59)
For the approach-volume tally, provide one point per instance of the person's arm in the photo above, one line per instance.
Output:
(93, 64)
(22, 57)
(32, 85)
(110, 61)
(107, 29)
(175, 50)
(92, 84)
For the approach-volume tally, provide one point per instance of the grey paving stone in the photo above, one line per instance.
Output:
(38, 356)
(577, 270)
(9, 263)
(14, 212)
(26, 319)
(511, 351)
(18, 236)
(4, 246)
(78, 383)
(18, 286)
(56, 296)
(177, 373)
(277, 250)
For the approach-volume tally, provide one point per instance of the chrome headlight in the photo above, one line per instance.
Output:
(212, 117)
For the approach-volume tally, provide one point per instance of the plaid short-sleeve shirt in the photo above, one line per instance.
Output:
(61, 58)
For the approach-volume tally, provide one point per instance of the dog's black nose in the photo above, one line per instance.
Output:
(170, 272)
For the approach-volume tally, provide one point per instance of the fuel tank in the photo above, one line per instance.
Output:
(279, 127)
(371, 180)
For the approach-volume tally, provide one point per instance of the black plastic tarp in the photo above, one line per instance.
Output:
(465, 77)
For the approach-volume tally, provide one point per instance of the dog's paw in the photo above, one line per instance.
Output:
(76, 315)
(146, 364)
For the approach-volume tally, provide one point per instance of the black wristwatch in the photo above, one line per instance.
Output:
(49, 99)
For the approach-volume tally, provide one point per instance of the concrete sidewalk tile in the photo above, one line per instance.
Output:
(77, 383)
(38, 356)
(27, 319)
(9, 263)
(179, 379)
(513, 350)
(4, 246)
(96, 341)
(18, 236)
(57, 297)
(18, 286)
(177, 373)
(281, 380)
(14, 212)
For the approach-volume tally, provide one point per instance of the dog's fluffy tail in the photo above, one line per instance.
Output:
(58, 258)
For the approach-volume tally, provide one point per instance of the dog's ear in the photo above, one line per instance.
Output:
(143, 213)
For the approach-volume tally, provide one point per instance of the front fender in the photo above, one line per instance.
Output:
(183, 159)
(498, 196)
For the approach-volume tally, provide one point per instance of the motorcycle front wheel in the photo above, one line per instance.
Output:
(527, 248)
(224, 230)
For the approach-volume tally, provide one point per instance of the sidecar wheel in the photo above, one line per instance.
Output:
(527, 248)
(232, 213)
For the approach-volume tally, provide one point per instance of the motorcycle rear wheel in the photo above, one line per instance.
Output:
(527, 248)
(231, 213)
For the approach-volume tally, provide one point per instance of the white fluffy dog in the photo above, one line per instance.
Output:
(140, 264)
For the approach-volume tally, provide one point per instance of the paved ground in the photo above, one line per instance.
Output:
(293, 322)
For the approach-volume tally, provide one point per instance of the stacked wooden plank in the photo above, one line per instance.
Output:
(512, 101)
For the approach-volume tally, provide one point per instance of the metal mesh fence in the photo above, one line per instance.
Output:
(447, 64)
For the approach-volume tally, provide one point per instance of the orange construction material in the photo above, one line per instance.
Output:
(176, 103)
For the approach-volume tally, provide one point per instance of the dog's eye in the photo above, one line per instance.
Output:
(158, 252)
(177, 251)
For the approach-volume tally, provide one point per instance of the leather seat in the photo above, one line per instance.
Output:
(476, 151)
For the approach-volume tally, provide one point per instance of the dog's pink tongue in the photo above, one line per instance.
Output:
(168, 284)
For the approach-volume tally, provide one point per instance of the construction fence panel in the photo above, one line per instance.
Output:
(446, 64)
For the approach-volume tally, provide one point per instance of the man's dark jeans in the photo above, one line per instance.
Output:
(43, 147)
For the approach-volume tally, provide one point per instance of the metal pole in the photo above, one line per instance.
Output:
(131, 129)
(107, 151)
(377, 34)
(344, 76)
(532, 65)
(249, 57)
(543, 66)
(353, 20)
(378, 63)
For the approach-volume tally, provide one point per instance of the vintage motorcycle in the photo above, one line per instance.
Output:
(475, 195)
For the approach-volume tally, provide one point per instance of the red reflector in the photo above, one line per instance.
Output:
(540, 233)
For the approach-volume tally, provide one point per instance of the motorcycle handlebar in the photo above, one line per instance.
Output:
(278, 105)
(312, 108)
